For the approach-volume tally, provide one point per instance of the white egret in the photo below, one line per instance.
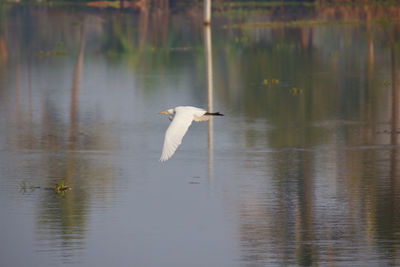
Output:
(181, 118)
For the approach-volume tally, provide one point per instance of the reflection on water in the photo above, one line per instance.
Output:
(302, 170)
(210, 95)
(309, 212)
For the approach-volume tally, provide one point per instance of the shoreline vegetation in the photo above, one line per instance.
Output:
(308, 23)
(216, 4)
(337, 12)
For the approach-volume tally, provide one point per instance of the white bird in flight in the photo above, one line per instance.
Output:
(181, 118)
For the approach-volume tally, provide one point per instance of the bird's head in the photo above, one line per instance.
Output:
(169, 112)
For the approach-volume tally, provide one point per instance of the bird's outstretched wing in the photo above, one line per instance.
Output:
(175, 132)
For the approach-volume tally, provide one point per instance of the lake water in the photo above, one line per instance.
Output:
(303, 169)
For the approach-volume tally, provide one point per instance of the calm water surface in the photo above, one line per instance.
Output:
(303, 169)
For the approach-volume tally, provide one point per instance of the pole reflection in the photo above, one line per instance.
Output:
(391, 224)
(209, 61)
(74, 113)
(63, 220)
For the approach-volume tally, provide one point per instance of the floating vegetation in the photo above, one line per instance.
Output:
(61, 188)
(58, 50)
(270, 81)
(256, 4)
(241, 39)
(334, 54)
(309, 23)
(385, 21)
(282, 46)
(104, 4)
(259, 4)
(296, 91)
(389, 132)
(23, 187)
(77, 23)
(386, 83)
(181, 48)
(43, 53)
(294, 23)
(82, 3)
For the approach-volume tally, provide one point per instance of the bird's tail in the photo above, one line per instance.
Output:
(214, 114)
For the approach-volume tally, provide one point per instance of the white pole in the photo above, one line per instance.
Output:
(207, 12)
(209, 60)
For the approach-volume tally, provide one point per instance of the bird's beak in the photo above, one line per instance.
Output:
(163, 112)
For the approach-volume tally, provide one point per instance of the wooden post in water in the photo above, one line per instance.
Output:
(207, 12)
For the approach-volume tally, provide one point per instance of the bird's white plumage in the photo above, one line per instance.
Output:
(183, 118)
